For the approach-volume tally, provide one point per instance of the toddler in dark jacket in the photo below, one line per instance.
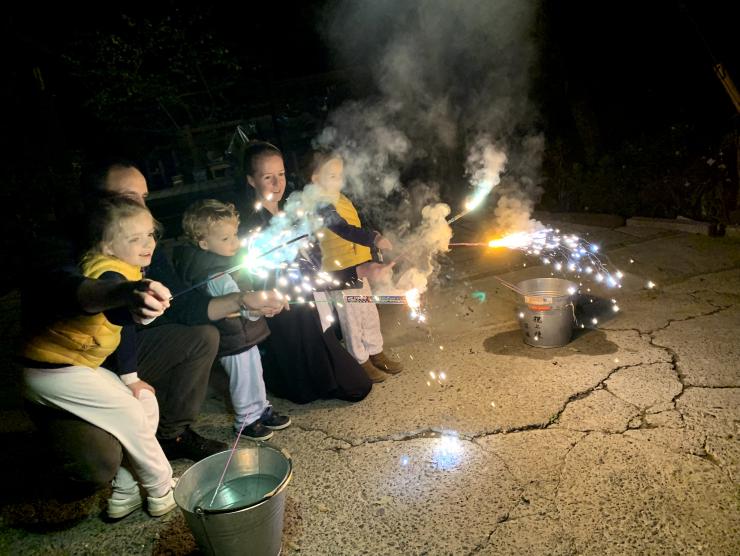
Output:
(211, 228)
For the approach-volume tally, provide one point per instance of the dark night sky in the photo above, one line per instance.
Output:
(635, 71)
(641, 63)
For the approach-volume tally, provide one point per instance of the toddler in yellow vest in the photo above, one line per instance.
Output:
(345, 247)
(62, 362)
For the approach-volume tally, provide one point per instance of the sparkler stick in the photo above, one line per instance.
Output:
(374, 299)
(457, 217)
(450, 221)
(236, 267)
(509, 285)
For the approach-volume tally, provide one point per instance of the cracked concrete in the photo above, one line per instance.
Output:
(623, 441)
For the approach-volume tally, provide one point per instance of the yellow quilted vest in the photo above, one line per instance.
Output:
(338, 253)
(85, 340)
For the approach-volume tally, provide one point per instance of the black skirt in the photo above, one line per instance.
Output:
(302, 364)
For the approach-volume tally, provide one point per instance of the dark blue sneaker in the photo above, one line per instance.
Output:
(274, 421)
(255, 431)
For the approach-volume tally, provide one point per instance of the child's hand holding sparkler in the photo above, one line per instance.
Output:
(376, 273)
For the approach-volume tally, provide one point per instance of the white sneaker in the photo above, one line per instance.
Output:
(164, 504)
(123, 501)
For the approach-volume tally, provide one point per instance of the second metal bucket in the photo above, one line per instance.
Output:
(248, 517)
(547, 316)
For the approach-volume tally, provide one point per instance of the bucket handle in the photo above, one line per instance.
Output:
(200, 512)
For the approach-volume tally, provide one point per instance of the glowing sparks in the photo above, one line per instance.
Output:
(477, 198)
(564, 252)
(516, 240)
(413, 299)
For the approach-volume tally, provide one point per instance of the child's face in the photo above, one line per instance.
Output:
(134, 240)
(222, 238)
(330, 176)
(268, 180)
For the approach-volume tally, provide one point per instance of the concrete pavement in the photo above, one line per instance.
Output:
(625, 441)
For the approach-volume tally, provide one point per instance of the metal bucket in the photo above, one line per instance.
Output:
(246, 515)
(547, 316)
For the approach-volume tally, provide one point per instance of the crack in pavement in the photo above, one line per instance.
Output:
(717, 309)
(564, 462)
(711, 458)
(555, 418)
(346, 444)
(499, 520)
(436, 432)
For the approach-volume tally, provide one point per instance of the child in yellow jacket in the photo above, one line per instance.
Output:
(62, 363)
(345, 247)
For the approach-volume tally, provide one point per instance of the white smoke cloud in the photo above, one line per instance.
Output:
(450, 109)
(419, 247)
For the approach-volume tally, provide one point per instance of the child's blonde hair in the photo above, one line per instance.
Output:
(106, 216)
(202, 215)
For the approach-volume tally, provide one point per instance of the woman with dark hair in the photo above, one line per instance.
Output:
(301, 361)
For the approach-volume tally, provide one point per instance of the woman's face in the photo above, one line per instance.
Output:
(268, 179)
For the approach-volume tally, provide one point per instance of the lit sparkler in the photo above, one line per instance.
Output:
(564, 252)
(413, 299)
(474, 201)
(249, 260)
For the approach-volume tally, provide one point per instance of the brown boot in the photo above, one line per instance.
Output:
(386, 364)
(374, 374)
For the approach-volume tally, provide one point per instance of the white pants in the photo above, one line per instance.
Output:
(246, 385)
(99, 397)
(360, 323)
